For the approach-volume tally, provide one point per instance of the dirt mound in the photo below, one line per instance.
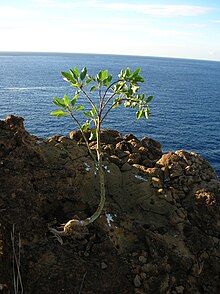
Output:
(159, 232)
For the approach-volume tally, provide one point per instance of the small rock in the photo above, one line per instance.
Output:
(114, 159)
(129, 137)
(134, 158)
(103, 265)
(156, 182)
(147, 162)
(143, 276)
(179, 289)
(137, 281)
(142, 259)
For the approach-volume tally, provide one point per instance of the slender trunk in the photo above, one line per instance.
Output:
(74, 224)
(101, 175)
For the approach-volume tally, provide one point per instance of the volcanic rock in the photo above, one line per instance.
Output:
(159, 231)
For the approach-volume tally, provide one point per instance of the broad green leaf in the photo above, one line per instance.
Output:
(80, 107)
(87, 82)
(75, 73)
(59, 113)
(106, 82)
(83, 73)
(122, 74)
(76, 70)
(149, 99)
(85, 126)
(73, 101)
(139, 79)
(139, 113)
(128, 72)
(92, 88)
(110, 78)
(104, 74)
(87, 113)
(66, 100)
(93, 111)
(136, 72)
(59, 102)
(99, 76)
(68, 77)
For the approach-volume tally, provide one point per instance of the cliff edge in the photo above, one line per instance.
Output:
(159, 231)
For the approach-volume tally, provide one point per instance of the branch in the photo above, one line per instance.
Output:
(107, 112)
(83, 134)
(90, 100)
(112, 106)
(106, 91)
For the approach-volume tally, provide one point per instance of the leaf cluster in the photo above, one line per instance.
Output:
(111, 94)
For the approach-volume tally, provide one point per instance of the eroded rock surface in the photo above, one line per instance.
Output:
(159, 232)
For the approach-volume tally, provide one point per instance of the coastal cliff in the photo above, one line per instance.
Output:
(159, 231)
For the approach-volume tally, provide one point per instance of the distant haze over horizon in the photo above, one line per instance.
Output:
(174, 29)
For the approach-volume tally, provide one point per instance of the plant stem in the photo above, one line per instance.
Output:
(83, 134)
(101, 174)
(74, 224)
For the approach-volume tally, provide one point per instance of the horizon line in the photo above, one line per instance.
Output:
(113, 54)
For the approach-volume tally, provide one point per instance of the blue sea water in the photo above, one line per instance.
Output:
(185, 110)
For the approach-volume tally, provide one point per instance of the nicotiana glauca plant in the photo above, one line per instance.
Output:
(109, 94)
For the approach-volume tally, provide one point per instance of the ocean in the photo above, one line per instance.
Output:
(185, 111)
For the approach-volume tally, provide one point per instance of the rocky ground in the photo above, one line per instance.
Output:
(159, 232)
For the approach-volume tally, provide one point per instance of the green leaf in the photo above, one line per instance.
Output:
(59, 113)
(106, 82)
(110, 78)
(139, 114)
(136, 72)
(139, 79)
(93, 111)
(59, 102)
(104, 74)
(93, 135)
(78, 108)
(122, 74)
(85, 126)
(87, 113)
(83, 73)
(73, 101)
(68, 77)
(128, 72)
(75, 72)
(147, 113)
(66, 100)
(75, 85)
(92, 88)
(87, 82)
(149, 99)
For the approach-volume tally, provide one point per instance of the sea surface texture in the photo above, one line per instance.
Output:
(185, 110)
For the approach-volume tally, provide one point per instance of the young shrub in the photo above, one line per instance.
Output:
(109, 95)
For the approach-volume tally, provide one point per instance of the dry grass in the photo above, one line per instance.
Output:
(16, 248)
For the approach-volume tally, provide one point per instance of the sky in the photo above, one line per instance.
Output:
(181, 29)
